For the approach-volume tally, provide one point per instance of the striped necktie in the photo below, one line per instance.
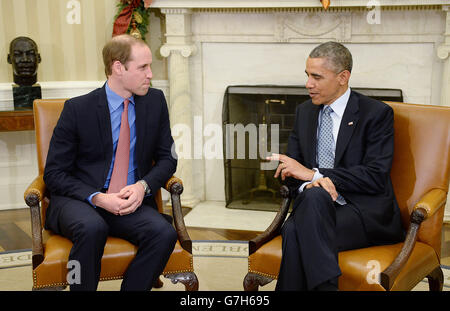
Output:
(325, 144)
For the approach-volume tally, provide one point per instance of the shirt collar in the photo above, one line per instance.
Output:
(115, 100)
(339, 104)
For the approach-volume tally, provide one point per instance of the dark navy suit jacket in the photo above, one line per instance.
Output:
(363, 160)
(81, 149)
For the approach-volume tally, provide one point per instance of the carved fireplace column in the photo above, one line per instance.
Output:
(443, 53)
(178, 49)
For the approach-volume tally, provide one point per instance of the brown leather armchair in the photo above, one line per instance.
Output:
(420, 175)
(50, 252)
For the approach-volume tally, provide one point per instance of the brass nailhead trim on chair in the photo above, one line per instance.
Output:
(47, 285)
(275, 277)
(191, 269)
(176, 271)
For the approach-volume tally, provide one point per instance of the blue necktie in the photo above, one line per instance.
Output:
(325, 144)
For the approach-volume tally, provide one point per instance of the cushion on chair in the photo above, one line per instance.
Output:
(267, 259)
(117, 256)
(355, 264)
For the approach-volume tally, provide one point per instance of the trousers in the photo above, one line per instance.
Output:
(88, 228)
(314, 233)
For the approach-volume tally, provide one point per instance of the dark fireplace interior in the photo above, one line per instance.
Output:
(247, 186)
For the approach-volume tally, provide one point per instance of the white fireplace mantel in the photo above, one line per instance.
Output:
(212, 44)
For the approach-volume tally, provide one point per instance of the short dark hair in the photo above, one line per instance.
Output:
(338, 56)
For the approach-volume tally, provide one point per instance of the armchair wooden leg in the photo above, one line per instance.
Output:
(189, 279)
(436, 280)
(253, 281)
(158, 283)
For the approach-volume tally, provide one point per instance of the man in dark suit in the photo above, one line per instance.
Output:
(109, 153)
(337, 168)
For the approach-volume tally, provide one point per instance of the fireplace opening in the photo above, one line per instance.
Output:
(257, 121)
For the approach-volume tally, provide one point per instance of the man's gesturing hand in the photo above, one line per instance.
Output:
(289, 167)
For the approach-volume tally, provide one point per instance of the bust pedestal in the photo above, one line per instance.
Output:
(24, 95)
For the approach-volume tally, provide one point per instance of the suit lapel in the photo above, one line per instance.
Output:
(104, 123)
(348, 125)
(140, 125)
(311, 134)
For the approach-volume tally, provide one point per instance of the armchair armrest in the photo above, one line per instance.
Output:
(275, 227)
(35, 191)
(33, 196)
(431, 202)
(175, 186)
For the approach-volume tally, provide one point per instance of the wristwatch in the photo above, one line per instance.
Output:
(144, 184)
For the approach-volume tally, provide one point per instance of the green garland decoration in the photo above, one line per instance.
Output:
(141, 16)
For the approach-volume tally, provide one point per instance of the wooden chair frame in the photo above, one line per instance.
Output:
(37, 191)
(425, 208)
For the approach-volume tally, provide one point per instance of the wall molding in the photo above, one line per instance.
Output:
(314, 9)
(64, 89)
(285, 26)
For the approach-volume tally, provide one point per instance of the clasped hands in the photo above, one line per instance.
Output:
(289, 167)
(122, 203)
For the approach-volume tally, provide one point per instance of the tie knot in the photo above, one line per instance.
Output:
(125, 104)
(327, 110)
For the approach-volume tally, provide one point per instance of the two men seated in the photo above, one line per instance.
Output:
(111, 150)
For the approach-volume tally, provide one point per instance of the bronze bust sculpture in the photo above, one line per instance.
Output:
(24, 57)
